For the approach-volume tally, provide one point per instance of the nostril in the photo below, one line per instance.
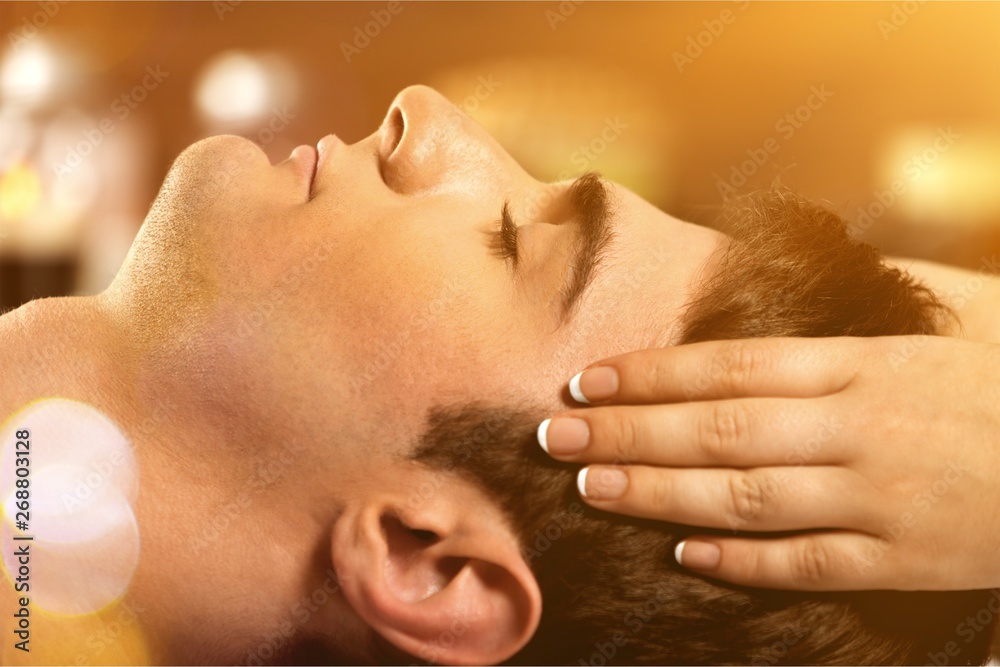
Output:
(397, 125)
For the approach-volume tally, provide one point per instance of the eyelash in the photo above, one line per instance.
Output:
(506, 235)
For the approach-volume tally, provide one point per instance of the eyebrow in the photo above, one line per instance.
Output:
(590, 200)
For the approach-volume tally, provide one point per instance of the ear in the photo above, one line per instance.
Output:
(432, 565)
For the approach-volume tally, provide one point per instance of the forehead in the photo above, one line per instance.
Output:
(654, 266)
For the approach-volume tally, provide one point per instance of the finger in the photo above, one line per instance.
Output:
(735, 433)
(759, 499)
(792, 367)
(825, 561)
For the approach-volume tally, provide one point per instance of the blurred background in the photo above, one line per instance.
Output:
(887, 112)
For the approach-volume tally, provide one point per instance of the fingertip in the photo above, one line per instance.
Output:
(698, 555)
(601, 382)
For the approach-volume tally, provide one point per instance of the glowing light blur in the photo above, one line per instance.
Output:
(28, 74)
(565, 117)
(20, 192)
(945, 174)
(237, 88)
(83, 481)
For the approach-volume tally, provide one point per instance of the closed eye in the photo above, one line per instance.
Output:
(505, 237)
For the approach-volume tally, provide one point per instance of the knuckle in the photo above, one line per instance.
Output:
(810, 563)
(724, 428)
(625, 436)
(653, 375)
(737, 364)
(749, 496)
(661, 494)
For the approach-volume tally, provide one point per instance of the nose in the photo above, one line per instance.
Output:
(430, 146)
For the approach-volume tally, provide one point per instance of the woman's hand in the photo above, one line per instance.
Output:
(886, 449)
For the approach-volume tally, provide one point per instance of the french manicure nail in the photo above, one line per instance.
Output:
(563, 435)
(581, 482)
(698, 555)
(594, 384)
(543, 435)
(602, 483)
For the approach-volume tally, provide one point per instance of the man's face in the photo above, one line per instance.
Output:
(360, 293)
(294, 324)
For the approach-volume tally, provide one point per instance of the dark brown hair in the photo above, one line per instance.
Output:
(612, 592)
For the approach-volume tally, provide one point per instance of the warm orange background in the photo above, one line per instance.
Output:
(898, 72)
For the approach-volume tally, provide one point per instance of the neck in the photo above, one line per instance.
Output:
(59, 347)
(226, 547)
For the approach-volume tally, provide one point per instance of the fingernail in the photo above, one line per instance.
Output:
(698, 555)
(563, 435)
(601, 483)
(594, 384)
(543, 435)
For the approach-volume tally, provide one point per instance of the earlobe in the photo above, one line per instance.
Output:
(442, 583)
